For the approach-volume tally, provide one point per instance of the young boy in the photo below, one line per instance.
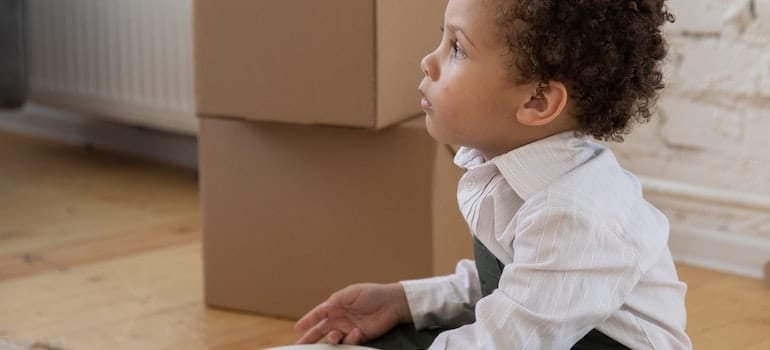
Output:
(569, 255)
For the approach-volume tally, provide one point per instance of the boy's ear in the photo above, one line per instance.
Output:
(546, 103)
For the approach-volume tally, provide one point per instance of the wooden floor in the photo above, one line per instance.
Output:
(103, 252)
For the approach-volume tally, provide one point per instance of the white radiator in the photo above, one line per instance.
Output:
(126, 60)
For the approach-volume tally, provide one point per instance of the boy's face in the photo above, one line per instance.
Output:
(468, 95)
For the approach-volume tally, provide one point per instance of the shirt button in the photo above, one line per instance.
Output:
(469, 185)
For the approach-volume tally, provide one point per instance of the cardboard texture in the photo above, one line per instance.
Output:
(331, 62)
(293, 213)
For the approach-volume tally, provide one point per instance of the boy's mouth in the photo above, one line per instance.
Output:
(424, 102)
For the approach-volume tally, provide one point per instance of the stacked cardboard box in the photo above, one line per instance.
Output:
(315, 171)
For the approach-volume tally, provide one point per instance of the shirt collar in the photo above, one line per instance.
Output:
(468, 158)
(529, 169)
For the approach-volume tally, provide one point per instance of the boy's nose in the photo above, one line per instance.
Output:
(428, 66)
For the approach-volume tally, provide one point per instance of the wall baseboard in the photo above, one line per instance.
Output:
(79, 129)
(741, 255)
(713, 228)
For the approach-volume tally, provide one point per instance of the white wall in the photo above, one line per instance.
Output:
(706, 156)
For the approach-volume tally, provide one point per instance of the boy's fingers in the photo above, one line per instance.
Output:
(315, 334)
(312, 318)
(335, 337)
(354, 338)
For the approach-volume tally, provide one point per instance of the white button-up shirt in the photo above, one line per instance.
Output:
(581, 246)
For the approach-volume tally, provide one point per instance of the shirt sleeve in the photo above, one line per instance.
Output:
(446, 301)
(568, 275)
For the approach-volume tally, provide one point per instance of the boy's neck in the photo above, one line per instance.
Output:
(529, 135)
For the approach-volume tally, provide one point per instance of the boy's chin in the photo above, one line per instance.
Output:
(431, 127)
(434, 132)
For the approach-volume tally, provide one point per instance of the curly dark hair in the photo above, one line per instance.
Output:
(609, 53)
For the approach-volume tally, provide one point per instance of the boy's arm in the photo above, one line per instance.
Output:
(568, 275)
(446, 301)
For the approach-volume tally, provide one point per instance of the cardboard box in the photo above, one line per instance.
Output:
(331, 62)
(293, 213)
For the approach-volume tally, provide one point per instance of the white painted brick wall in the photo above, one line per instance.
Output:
(714, 116)
(712, 128)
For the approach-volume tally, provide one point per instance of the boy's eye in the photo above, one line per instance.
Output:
(457, 50)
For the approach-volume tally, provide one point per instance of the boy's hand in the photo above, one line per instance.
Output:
(356, 314)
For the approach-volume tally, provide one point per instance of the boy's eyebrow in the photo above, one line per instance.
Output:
(456, 29)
